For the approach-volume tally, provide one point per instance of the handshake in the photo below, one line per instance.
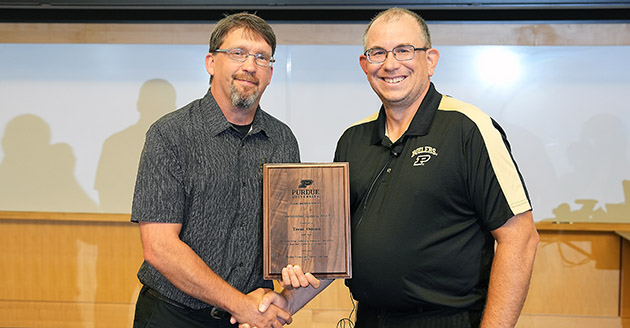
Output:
(266, 308)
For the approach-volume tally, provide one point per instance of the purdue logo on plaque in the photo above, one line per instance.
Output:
(306, 219)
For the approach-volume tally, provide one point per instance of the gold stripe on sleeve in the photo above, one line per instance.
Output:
(500, 158)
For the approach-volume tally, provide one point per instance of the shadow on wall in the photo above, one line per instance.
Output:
(595, 167)
(526, 144)
(116, 176)
(118, 164)
(36, 175)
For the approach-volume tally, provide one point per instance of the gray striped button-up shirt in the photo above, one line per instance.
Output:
(198, 171)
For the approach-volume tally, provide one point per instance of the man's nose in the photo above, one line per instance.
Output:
(250, 62)
(390, 60)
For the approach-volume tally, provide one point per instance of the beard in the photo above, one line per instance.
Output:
(244, 98)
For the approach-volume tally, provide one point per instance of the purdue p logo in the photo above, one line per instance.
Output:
(423, 155)
(305, 183)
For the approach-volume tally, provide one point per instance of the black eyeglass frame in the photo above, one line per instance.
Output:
(257, 57)
(366, 53)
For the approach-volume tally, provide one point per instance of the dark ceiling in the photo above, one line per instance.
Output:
(195, 11)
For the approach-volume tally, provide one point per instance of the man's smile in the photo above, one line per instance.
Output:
(393, 79)
(246, 78)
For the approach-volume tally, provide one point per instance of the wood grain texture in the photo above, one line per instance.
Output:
(575, 273)
(82, 273)
(306, 219)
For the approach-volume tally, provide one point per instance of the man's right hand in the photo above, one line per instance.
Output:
(273, 316)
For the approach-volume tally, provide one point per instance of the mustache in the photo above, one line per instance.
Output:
(245, 77)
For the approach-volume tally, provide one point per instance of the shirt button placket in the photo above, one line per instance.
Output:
(241, 178)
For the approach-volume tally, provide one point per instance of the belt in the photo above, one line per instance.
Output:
(213, 312)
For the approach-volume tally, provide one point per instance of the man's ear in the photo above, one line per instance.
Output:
(270, 74)
(363, 62)
(210, 63)
(433, 55)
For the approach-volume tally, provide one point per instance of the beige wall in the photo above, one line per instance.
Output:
(351, 34)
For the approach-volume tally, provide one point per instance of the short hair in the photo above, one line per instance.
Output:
(395, 13)
(253, 25)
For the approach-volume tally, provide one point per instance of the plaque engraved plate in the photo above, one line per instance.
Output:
(306, 219)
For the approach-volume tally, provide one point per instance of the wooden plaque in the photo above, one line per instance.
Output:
(306, 219)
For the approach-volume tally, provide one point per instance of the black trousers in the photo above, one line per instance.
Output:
(368, 317)
(153, 311)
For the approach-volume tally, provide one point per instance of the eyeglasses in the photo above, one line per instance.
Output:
(401, 53)
(240, 55)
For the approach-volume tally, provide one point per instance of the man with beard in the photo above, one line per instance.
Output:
(198, 191)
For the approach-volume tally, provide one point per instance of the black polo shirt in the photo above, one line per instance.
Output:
(423, 207)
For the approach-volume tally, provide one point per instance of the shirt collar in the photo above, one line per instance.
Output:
(218, 123)
(421, 122)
